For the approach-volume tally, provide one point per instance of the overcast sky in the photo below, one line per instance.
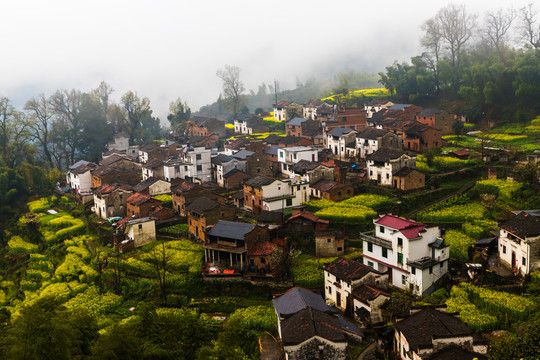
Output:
(165, 49)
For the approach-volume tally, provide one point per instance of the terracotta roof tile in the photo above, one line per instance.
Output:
(262, 248)
(308, 216)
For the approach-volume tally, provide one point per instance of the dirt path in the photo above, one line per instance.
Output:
(269, 348)
(366, 351)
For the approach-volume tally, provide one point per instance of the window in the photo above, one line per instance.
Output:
(441, 265)
(370, 263)
(185, 168)
(199, 167)
(403, 279)
(413, 270)
(431, 269)
(504, 249)
(263, 260)
(400, 241)
(381, 229)
(328, 240)
(370, 172)
(280, 154)
(289, 202)
(140, 226)
(400, 258)
(523, 261)
(329, 290)
(340, 249)
(388, 176)
(198, 156)
(369, 247)
(384, 252)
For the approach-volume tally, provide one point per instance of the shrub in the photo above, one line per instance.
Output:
(262, 318)
(94, 302)
(39, 205)
(17, 245)
(472, 230)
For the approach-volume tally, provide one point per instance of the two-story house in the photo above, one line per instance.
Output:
(372, 139)
(289, 156)
(519, 243)
(203, 212)
(249, 124)
(342, 276)
(338, 139)
(414, 255)
(79, 178)
(314, 109)
(420, 137)
(111, 200)
(352, 118)
(438, 119)
(375, 106)
(383, 163)
(298, 126)
(200, 164)
(153, 186)
(311, 172)
(153, 169)
(141, 231)
(263, 193)
(139, 205)
(152, 151)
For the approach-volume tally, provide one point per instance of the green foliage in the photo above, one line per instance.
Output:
(17, 245)
(39, 205)
(180, 229)
(453, 213)
(261, 318)
(469, 313)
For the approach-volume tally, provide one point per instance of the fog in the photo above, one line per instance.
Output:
(168, 49)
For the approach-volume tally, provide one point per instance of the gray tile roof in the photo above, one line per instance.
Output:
(297, 299)
(259, 181)
(296, 121)
(243, 154)
(339, 131)
(231, 229)
(221, 159)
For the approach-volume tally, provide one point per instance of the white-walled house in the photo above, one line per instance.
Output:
(176, 168)
(338, 139)
(142, 231)
(80, 178)
(193, 163)
(289, 156)
(264, 193)
(342, 276)
(375, 106)
(415, 256)
(372, 139)
(519, 243)
(385, 162)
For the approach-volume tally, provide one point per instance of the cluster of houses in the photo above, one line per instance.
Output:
(233, 200)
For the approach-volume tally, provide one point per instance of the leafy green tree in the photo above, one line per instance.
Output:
(47, 330)
(142, 126)
(179, 113)
(458, 127)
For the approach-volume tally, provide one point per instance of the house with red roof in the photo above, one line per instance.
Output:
(305, 223)
(111, 200)
(414, 255)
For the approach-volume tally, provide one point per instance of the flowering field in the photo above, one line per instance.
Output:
(166, 199)
(459, 243)
(39, 205)
(229, 126)
(442, 163)
(453, 213)
(17, 245)
(511, 136)
(368, 93)
(504, 188)
(261, 318)
(355, 210)
(469, 313)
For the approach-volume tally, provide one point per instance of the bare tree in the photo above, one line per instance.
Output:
(67, 106)
(496, 27)
(530, 31)
(14, 134)
(456, 28)
(102, 93)
(40, 114)
(432, 42)
(233, 87)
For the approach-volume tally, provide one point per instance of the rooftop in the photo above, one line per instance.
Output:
(296, 299)
(259, 181)
(522, 225)
(308, 323)
(348, 270)
(295, 122)
(409, 228)
(385, 155)
(231, 229)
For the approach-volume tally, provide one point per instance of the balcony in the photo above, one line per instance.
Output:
(369, 237)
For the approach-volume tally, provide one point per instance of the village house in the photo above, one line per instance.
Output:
(236, 145)
(250, 124)
(204, 126)
(372, 139)
(305, 223)
(222, 164)
(368, 301)
(139, 205)
(109, 175)
(80, 178)
(266, 258)
(152, 151)
(289, 156)
(315, 108)
(184, 194)
(415, 256)
(153, 169)
(263, 193)
(375, 106)
(338, 138)
(311, 172)
(227, 243)
(331, 190)
(109, 153)
(286, 110)
(262, 163)
(141, 231)
(383, 163)
(121, 163)
(352, 118)
(310, 329)
(203, 212)
(438, 119)
(200, 160)
(153, 187)
(110, 200)
(161, 213)
(342, 276)
(407, 179)
(430, 331)
(419, 137)
(234, 179)
(329, 243)
(120, 143)
(300, 127)
(519, 243)
(404, 111)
